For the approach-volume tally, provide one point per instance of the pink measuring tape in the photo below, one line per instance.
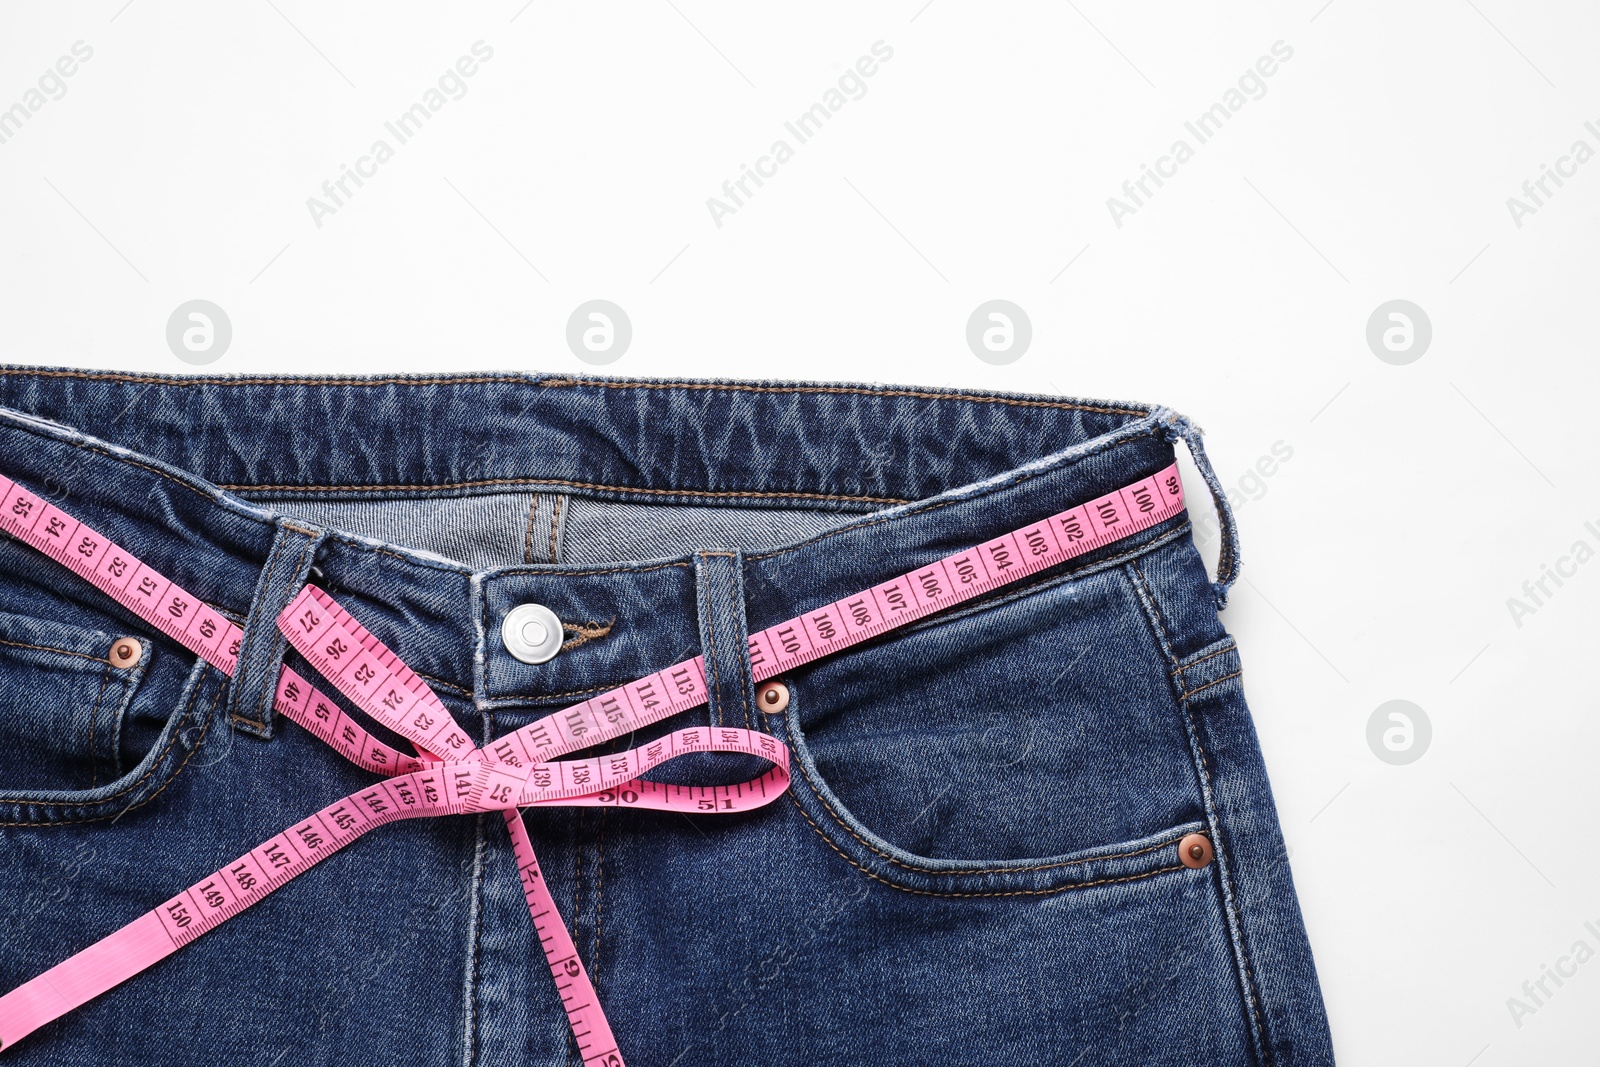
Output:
(449, 775)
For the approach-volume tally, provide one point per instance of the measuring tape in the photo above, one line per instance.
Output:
(449, 775)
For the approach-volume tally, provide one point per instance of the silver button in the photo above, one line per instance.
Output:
(532, 633)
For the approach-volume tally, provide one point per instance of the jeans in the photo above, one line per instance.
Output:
(977, 859)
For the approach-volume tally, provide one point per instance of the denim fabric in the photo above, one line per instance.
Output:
(976, 861)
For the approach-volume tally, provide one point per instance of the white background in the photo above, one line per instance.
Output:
(1377, 165)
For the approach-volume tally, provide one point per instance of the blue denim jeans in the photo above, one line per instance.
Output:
(976, 862)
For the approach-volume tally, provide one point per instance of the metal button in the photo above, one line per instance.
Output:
(1195, 851)
(773, 698)
(532, 633)
(125, 652)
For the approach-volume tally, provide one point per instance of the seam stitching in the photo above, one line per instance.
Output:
(736, 609)
(1211, 655)
(293, 574)
(170, 779)
(94, 715)
(577, 916)
(63, 651)
(555, 520)
(447, 685)
(711, 648)
(1252, 996)
(586, 632)
(87, 447)
(1090, 568)
(121, 792)
(1208, 685)
(982, 870)
(552, 383)
(1019, 479)
(1038, 583)
(543, 570)
(775, 494)
(996, 893)
(527, 541)
(599, 897)
(477, 935)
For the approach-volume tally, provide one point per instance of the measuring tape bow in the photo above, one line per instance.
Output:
(449, 775)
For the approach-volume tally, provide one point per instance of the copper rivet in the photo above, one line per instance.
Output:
(125, 652)
(773, 698)
(1195, 850)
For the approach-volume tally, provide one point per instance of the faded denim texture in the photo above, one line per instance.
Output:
(977, 861)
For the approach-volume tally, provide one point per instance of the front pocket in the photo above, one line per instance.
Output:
(63, 697)
(191, 706)
(1032, 740)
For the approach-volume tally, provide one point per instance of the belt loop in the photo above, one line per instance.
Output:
(724, 637)
(1176, 426)
(255, 678)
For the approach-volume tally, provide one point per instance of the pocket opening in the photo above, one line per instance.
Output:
(182, 735)
(1032, 745)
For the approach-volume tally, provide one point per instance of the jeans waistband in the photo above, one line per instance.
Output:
(178, 469)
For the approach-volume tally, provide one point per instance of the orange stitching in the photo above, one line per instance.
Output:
(1208, 685)
(1219, 652)
(784, 494)
(926, 508)
(527, 541)
(551, 696)
(577, 485)
(711, 650)
(170, 742)
(1155, 609)
(726, 387)
(463, 690)
(982, 870)
(62, 651)
(185, 382)
(544, 571)
(997, 893)
(1226, 869)
(261, 704)
(599, 897)
(1244, 951)
(94, 714)
(736, 607)
(551, 383)
(555, 520)
(577, 875)
(85, 447)
(1037, 584)
(171, 778)
(590, 631)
